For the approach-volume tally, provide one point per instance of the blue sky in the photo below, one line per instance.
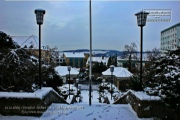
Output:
(66, 23)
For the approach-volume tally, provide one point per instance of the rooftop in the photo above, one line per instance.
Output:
(63, 71)
(118, 72)
(176, 25)
(99, 60)
(28, 41)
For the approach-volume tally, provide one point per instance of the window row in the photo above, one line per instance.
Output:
(169, 42)
(169, 31)
(168, 47)
(169, 36)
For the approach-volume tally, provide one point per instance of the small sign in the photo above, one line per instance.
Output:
(159, 15)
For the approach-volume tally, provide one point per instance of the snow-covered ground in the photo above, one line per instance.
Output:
(86, 112)
(86, 87)
(143, 95)
(85, 95)
(18, 118)
(37, 94)
(82, 111)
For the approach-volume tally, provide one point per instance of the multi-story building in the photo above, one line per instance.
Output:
(74, 59)
(170, 37)
(60, 60)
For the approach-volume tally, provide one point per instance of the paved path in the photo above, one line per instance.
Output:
(86, 87)
(85, 95)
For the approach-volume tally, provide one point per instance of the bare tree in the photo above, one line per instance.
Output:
(152, 54)
(130, 52)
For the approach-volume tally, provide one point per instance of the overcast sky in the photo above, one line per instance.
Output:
(66, 23)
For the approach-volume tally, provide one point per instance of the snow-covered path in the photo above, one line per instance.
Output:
(82, 111)
(86, 87)
(86, 112)
(85, 95)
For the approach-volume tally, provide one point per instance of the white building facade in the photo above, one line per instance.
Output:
(170, 37)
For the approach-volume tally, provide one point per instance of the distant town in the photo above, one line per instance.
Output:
(41, 82)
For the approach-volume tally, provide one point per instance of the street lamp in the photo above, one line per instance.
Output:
(77, 81)
(39, 18)
(69, 69)
(112, 70)
(103, 85)
(141, 21)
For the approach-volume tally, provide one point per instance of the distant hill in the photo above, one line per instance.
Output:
(98, 52)
(78, 50)
(107, 53)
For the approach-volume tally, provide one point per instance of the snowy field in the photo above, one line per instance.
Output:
(82, 111)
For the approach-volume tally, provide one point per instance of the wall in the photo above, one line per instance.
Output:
(148, 108)
(29, 106)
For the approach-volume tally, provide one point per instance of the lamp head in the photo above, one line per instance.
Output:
(69, 68)
(77, 80)
(112, 68)
(39, 16)
(141, 18)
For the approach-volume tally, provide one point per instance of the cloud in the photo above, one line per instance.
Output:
(61, 14)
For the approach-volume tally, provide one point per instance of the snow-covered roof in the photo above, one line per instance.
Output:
(99, 60)
(60, 54)
(26, 41)
(74, 55)
(118, 72)
(63, 71)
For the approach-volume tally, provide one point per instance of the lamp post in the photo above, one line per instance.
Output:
(39, 18)
(103, 85)
(90, 66)
(69, 69)
(141, 21)
(112, 70)
(77, 81)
